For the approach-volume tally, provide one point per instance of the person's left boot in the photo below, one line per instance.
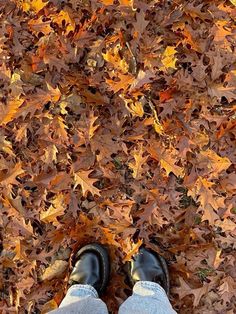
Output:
(91, 267)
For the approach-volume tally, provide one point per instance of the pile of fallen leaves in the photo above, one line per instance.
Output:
(118, 125)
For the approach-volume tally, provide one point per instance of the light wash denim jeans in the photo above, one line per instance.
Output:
(147, 298)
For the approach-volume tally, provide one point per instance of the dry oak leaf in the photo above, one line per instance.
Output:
(113, 56)
(10, 176)
(64, 17)
(168, 58)
(82, 178)
(91, 127)
(220, 32)
(226, 225)
(6, 146)
(137, 165)
(50, 154)
(202, 191)
(166, 161)
(215, 162)
(133, 251)
(125, 80)
(8, 112)
(169, 165)
(35, 5)
(227, 289)
(19, 250)
(209, 215)
(220, 91)
(57, 208)
(185, 290)
(140, 24)
(40, 26)
(56, 270)
(134, 107)
(144, 77)
(25, 284)
(58, 124)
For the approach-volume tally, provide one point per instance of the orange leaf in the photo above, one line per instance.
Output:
(133, 251)
(8, 112)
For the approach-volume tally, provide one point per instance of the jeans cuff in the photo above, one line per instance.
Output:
(82, 291)
(146, 288)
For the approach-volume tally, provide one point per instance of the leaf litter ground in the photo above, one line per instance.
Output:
(118, 126)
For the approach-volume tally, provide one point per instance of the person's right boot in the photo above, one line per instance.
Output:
(147, 265)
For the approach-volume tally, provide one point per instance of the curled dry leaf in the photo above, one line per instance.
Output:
(56, 270)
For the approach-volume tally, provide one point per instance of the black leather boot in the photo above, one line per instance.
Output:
(91, 267)
(149, 266)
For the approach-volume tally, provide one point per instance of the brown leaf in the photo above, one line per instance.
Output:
(185, 290)
(142, 79)
(137, 165)
(220, 91)
(10, 176)
(227, 288)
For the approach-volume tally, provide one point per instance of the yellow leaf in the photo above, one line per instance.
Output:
(63, 104)
(86, 183)
(233, 1)
(136, 108)
(158, 127)
(169, 51)
(169, 59)
(113, 56)
(35, 5)
(64, 16)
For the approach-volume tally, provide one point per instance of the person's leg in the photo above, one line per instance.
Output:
(81, 299)
(87, 282)
(149, 277)
(147, 298)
